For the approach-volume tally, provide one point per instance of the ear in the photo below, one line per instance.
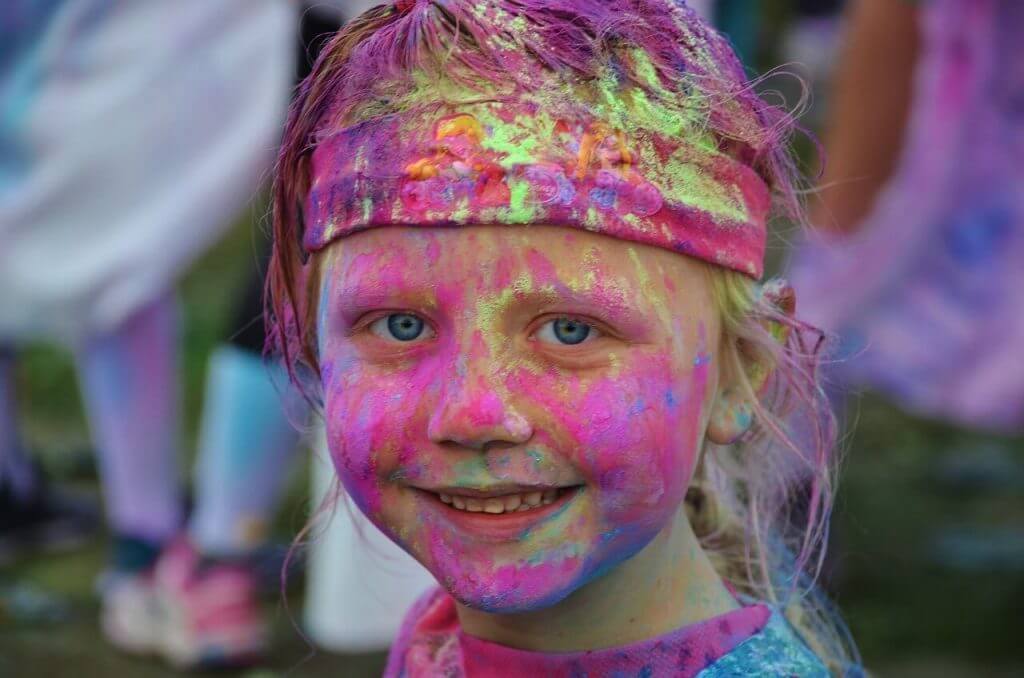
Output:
(744, 372)
(732, 415)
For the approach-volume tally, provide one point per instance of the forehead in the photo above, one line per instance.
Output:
(502, 257)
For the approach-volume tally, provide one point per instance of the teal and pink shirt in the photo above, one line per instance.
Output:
(752, 640)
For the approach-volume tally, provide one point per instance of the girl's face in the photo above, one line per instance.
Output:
(520, 408)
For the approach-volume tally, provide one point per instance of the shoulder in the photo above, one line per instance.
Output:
(776, 650)
(428, 638)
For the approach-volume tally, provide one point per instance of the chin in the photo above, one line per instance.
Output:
(528, 595)
(531, 584)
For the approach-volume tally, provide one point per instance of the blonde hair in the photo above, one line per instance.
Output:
(761, 506)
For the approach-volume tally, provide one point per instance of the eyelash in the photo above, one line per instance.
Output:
(596, 330)
(382, 332)
(593, 331)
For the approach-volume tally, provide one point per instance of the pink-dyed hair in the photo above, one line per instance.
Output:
(760, 506)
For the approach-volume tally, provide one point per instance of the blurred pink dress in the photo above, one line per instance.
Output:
(928, 297)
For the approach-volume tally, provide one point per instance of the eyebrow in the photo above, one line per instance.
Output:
(608, 304)
(360, 294)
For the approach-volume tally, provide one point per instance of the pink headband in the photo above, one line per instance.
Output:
(519, 162)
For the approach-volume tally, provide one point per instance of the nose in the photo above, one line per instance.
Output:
(472, 414)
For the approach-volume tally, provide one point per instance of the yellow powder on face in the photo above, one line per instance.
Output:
(590, 266)
(654, 294)
(489, 312)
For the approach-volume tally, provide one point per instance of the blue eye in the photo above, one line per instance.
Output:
(567, 331)
(401, 327)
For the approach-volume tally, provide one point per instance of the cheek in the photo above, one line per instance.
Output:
(634, 434)
(369, 416)
(641, 442)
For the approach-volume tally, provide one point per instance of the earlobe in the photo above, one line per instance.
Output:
(732, 415)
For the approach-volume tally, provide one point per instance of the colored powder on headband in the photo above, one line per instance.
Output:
(630, 119)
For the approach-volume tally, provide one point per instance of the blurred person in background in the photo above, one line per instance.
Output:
(918, 260)
(917, 263)
(248, 438)
(130, 135)
(247, 446)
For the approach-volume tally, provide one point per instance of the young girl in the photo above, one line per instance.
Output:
(516, 254)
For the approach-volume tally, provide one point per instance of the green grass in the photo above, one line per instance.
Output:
(902, 599)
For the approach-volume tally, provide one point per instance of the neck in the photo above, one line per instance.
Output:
(669, 584)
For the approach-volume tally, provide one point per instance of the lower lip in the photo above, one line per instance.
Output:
(502, 526)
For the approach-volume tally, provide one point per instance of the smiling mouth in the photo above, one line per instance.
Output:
(501, 514)
(519, 502)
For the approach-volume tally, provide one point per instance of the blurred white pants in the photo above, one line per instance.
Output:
(131, 134)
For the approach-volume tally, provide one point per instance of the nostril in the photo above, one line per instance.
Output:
(478, 433)
(471, 412)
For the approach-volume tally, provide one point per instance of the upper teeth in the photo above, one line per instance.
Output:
(505, 503)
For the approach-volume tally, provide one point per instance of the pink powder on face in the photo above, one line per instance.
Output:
(481, 402)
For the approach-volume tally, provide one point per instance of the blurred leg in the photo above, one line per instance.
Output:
(17, 475)
(34, 517)
(130, 386)
(208, 583)
(246, 445)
